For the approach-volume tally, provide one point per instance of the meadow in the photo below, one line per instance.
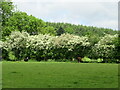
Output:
(59, 75)
(0, 75)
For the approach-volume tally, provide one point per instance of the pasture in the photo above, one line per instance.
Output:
(0, 75)
(59, 75)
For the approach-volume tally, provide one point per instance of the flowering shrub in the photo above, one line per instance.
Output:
(44, 46)
(105, 48)
(69, 41)
(66, 46)
(69, 46)
(16, 43)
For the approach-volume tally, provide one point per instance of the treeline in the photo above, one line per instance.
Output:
(82, 30)
(25, 35)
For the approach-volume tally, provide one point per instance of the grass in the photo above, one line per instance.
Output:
(0, 75)
(59, 75)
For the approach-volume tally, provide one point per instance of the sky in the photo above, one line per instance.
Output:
(99, 13)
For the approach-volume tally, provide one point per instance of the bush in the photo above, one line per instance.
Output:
(12, 56)
(61, 48)
(99, 60)
(50, 60)
(32, 60)
(86, 60)
(108, 60)
(106, 47)
(44, 47)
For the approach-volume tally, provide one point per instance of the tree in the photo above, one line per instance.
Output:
(6, 10)
(69, 30)
(49, 30)
(20, 21)
(60, 31)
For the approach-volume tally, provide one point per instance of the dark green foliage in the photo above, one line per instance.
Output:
(5, 54)
(117, 44)
(60, 31)
(81, 30)
(6, 10)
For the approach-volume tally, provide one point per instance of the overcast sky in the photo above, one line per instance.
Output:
(100, 13)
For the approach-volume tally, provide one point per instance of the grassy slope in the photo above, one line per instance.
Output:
(59, 75)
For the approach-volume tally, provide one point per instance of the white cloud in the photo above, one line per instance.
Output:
(92, 12)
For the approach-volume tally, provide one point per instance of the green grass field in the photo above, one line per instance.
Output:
(59, 75)
(0, 75)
